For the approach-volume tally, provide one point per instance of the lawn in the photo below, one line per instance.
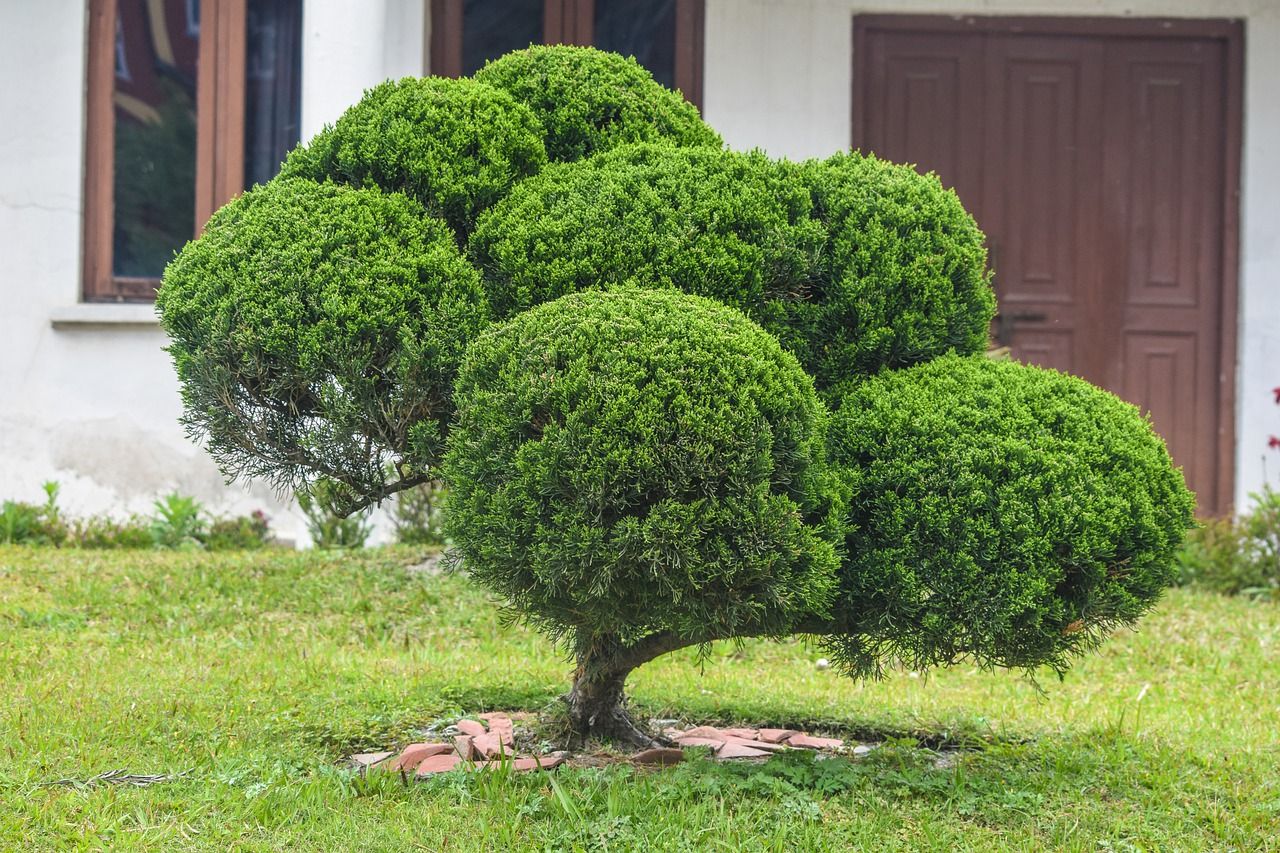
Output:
(257, 673)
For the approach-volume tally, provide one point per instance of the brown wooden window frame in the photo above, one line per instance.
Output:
(573, 22)
(220, 104)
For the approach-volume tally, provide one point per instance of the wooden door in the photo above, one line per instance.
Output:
(1097, 163)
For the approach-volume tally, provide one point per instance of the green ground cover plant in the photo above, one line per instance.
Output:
(680, 394)
(255, 673)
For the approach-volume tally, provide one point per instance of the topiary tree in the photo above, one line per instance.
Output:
(647, 337)
(636, 471)
(589, 100)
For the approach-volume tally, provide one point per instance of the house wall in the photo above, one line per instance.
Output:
(87, 396)
(779, 76)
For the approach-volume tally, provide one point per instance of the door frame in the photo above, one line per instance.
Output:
(1228, 31)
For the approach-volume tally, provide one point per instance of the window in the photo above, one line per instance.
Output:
(188, 103)
(665, 36)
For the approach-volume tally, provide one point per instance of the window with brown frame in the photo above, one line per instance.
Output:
(665, 36)
(188, 102)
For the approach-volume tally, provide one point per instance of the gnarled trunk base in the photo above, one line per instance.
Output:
(597, 708)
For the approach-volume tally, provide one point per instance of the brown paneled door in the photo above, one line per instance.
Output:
(1101, 158)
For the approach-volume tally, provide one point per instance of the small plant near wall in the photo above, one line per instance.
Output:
(418, 514)
(678, 394)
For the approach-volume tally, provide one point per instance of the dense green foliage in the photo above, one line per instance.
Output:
(588, 100)
(732, 227)
(853, 263)
(903, 275)
(1000, 512)
(630, 461)
(316, 330)
(456, 146)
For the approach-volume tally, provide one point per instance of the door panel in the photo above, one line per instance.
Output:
(1094, 166)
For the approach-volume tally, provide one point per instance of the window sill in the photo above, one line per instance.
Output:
(106, 315)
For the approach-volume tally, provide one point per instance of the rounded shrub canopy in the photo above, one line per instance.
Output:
(456, 146)
(853, 263)
(999, 512)
(588, 100)
(904, 273)
(728, 226)
(631, 461)
(316, 330)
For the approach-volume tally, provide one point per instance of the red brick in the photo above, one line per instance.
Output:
(776, 735)
(808, 742)
(490, 745)
(471, 727)
(662, 756)
(503, 728)
(414, 753)
(438, 763)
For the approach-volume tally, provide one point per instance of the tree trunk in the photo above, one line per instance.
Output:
(598, 708)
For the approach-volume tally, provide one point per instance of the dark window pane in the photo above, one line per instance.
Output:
(645, 29)
(155, 124)
(491, 28)
(273, 92)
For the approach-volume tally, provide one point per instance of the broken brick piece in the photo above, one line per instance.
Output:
(746, 734)
(704, 731)
(464, 746)
(714, 743)
(370, 759)
(739, 750)
(414, 753)
(809, 742)
(502, 726)
(661, 756)
(471, 727)
(440, 763)
(490, 745)
(776, 735)
(758, 744)
(522, 765)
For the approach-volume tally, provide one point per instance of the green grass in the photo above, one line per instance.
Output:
(258, 672)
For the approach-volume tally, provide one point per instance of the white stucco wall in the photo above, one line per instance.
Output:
(779, 77)
(93, 402)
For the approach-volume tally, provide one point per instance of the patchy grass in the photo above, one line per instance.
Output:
(257, 672)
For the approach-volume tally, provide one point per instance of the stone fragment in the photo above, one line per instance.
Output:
(661, 756)
(440, 763)
(414, 753)
(758, 744)
(501, 725)
(490, 745)
(809, 742)
(465, 747)
(523, 765)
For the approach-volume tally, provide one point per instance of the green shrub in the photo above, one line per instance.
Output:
(588, 100)
(104, 532)
(34, 524)
(631, 462)
(903, 276)
(456, 146)
(418, 514)
(316, 330)
(178, 521)
(999, 512)
(241, 532)
(1236, 556)
(731, 227)
(853, 263)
